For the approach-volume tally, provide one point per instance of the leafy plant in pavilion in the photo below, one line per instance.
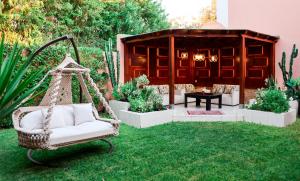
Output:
(14, 83)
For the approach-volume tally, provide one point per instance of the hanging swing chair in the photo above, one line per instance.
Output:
(57, 122)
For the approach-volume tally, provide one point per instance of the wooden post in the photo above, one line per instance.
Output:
(126, 62)
(171, 70)
(242, 69)
(272, 61)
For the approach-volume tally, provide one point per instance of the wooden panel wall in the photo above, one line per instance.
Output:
(258, 65)
(182, 67)
(153, 61)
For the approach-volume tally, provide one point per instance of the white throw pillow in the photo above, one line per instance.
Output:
(57, 118)
(32, 120)
(68, 114)
(83, 113)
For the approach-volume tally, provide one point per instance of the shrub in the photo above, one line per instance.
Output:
(271, 100)
(142, 80)
(140, 97)
(15, 87)
(126, 91)
(294, 92)
(140, 105)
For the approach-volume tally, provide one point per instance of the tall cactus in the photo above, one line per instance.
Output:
(288, 75)
(109, 56)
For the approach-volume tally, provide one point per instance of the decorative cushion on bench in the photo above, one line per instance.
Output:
(217, 88)
(228, 89)
(32, 120)
(189, 87)
(83, 131)
(83, 113)
(68, 114)
(62, 116)
(163, 89)
(57, 118)
(180, 86)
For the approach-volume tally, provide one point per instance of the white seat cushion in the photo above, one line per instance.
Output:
(80, 132)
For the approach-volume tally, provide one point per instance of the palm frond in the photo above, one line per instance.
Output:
(14, 85)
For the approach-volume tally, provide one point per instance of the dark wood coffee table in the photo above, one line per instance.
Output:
(207, 96)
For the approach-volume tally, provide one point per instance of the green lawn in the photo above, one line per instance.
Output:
(177, 151)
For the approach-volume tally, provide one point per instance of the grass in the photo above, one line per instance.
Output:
(177, 151)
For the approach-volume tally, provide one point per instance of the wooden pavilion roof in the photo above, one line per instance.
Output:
(209, 33)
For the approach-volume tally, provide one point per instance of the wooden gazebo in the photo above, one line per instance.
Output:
(241, 57)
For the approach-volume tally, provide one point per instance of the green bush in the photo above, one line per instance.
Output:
(142, 80)
(124, 92)
(6, 122)
(91, 22)
(271, 100)
(140, 105)
(294, 90)
(140, 97)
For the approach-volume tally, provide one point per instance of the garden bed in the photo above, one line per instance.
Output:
(144, 120)
(270, 118)
(117, 106)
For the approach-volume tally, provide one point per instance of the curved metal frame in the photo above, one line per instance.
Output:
(65, 37)
(30, 151)
(62, 38)
(111, 146)
(29, 156)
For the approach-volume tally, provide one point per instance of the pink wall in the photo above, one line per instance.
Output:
(274, 17)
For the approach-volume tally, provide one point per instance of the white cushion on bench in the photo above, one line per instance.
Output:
(32, 120)
(68, 114)
(83, 113)
(57, 117)
(80, 132)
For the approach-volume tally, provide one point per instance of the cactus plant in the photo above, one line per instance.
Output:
(288, 75)
(109, 56)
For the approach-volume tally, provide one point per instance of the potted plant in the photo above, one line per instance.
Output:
(123, 93)
(271, 107)
(145, 109)
(138, 105)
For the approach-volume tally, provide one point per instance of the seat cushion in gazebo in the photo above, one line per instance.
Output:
(80, 132)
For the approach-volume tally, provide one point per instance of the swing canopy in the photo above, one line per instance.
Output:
(57, 122)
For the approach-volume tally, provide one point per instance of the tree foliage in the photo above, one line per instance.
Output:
(92, 22)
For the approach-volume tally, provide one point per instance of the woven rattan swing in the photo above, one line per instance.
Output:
(59, 93)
